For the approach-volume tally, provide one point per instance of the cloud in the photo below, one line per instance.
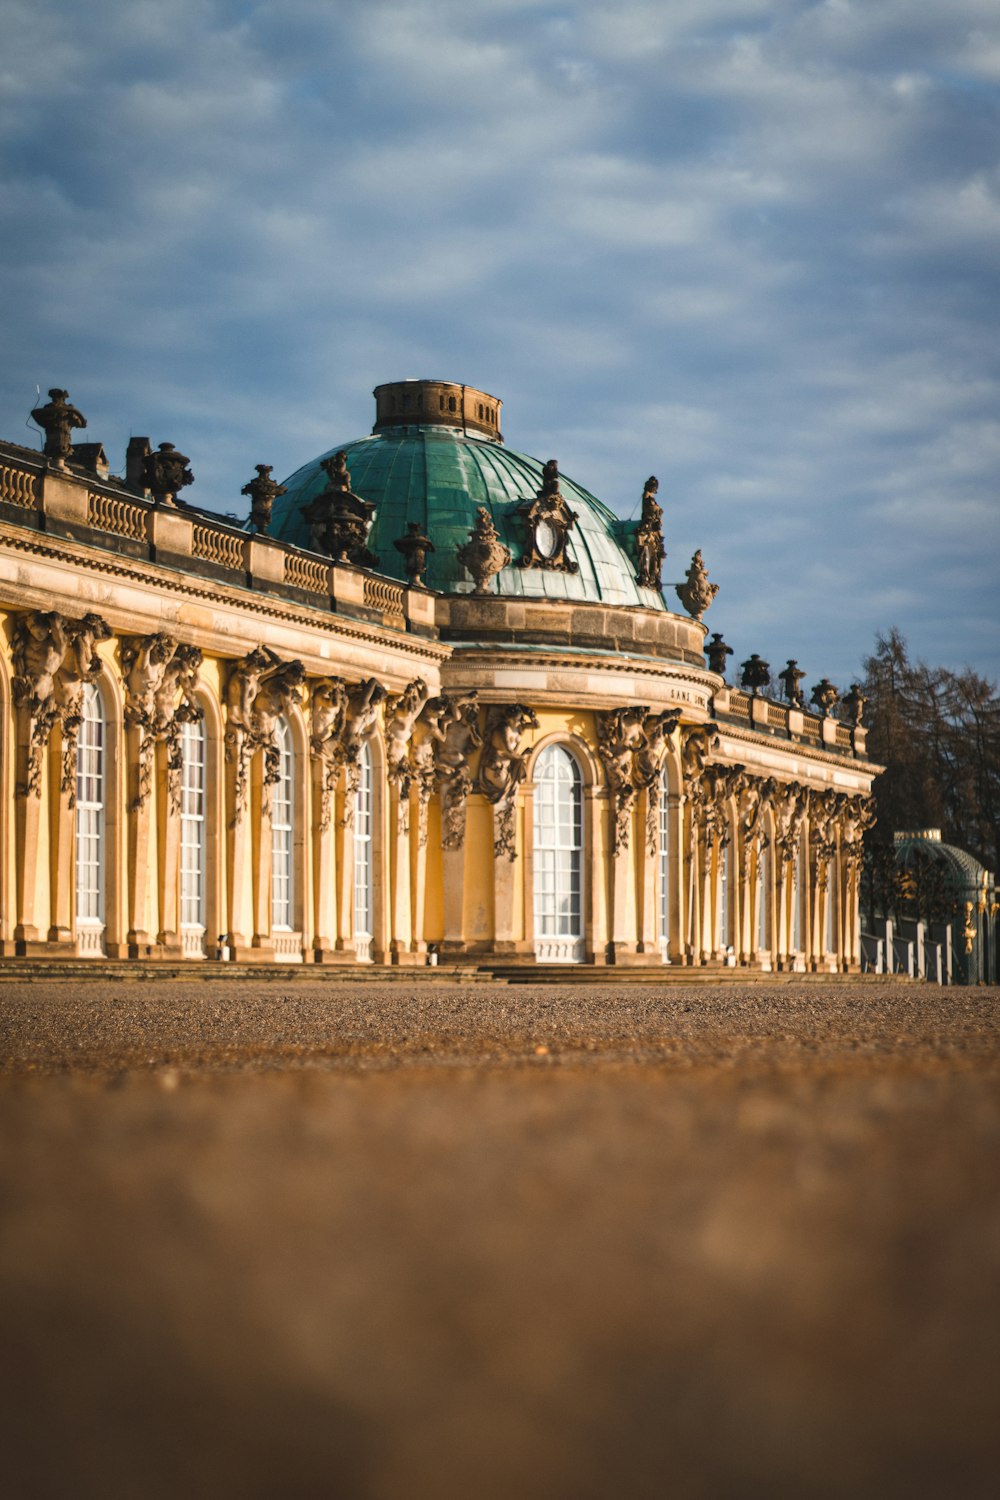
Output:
(748, 245)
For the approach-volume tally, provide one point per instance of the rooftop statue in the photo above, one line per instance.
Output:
(696, 593)
(825, 697)
(716, 650)
(165, 472)
(549, 521)
(415, 547)
(338, 519)
(58, 419)
(263, 492)
(484, 554)
(755, 674)
(790, 679)
(649, 538)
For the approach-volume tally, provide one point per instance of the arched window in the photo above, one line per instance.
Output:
(664, 869)
(282, 834)
(193, 841)
(558, 845)
(90, 822)
(363, 865)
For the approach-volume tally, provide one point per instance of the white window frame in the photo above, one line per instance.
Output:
(90, 824)
(364, 864)
(193, 837)
(663, 867)
(283, 833)
(558, 867)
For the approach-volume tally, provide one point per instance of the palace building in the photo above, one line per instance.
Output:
(431, 703)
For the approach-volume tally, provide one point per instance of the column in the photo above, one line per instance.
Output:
(62, 843)
(324, 864)
(139, 813)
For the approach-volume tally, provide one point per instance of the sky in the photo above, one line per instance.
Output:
(749, 246)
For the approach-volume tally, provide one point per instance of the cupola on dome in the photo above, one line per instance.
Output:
(435, 459)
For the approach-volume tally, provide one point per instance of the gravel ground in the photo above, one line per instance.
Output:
(312, 1239)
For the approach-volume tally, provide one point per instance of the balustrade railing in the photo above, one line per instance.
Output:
(19, 486)
(388, 597)
(120, 517)
(307, 573)
(224, 548)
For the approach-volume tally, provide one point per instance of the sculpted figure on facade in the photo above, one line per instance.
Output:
(58, 419)
(38, 646)
(53, 659)
(661, 732)
(364, 704)
(452, 753)
(753, 803)
(427, 734)
(824, 809)
(484, 554)
(855, 815)
(548, 521)
(261, 688)
(263, 491)
(620, 736)
(791, 803)
(327, 716)
(649, 538)
(160, 678)
(401, 713)
(503, 767)
(696, 593)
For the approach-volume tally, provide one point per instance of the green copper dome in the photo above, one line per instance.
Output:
(436, 472)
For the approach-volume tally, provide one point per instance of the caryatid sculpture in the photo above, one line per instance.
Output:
(661, 732)
(327, 716)
(54, 658)
(503, 767)
(427, 735)
(160, 678)
(460, 736)
(364, 703)
(58, 420)
(261, 688)
(620, 735)
(650, 550)
(401, 713)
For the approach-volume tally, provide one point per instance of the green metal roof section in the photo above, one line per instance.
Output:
(964, 872)
(438, 476)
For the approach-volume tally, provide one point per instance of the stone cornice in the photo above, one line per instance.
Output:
(222, 595)
(804, 751)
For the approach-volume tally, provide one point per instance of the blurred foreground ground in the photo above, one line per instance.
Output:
(293, 1239)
